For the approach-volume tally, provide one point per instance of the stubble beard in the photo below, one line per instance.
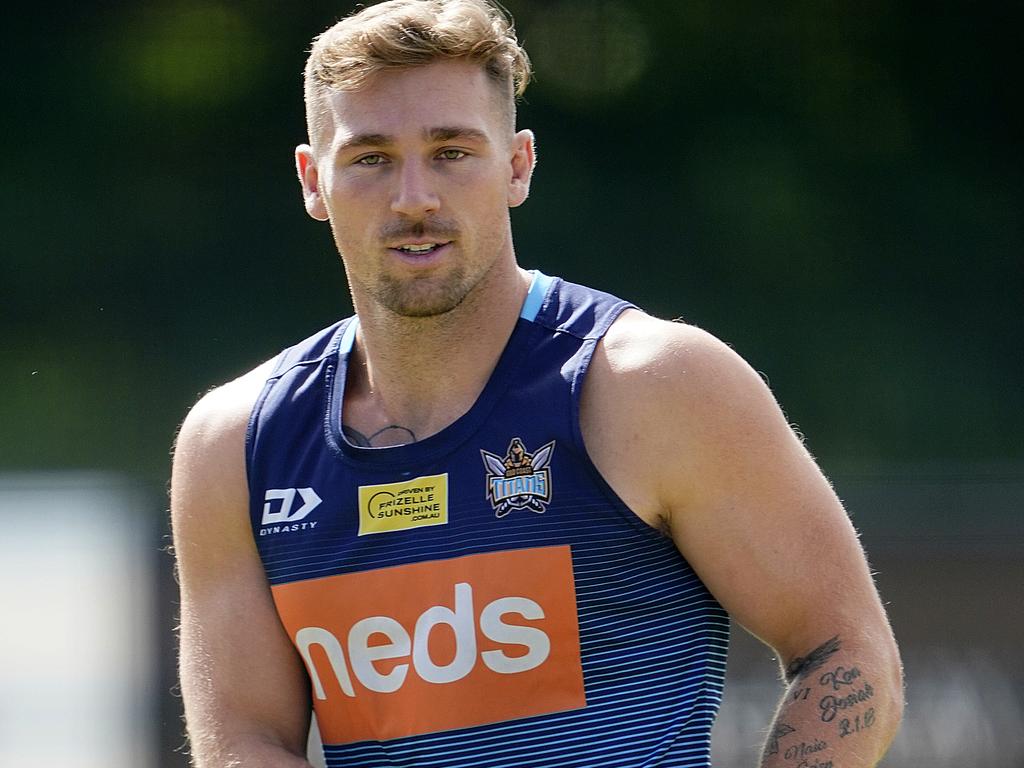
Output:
(426, 295)
(422, 297)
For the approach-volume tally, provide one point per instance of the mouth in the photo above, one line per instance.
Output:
(420, 248)
(420, 251)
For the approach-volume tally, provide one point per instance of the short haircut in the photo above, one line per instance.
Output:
(400, 34)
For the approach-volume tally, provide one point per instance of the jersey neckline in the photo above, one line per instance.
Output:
(453, 435)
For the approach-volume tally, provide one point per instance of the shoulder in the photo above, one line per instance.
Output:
(638, 343)
(209, 452)
(663, 400)
(674, 371)
(222, 414)
(217, 423)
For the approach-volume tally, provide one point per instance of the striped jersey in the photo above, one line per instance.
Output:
(480, 597)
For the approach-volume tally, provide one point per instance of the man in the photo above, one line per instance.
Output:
(496, 518)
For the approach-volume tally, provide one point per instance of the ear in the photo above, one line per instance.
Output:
(309, 178)
(523, 160)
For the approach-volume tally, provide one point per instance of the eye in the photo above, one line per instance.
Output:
(370, 160)
(452, 154)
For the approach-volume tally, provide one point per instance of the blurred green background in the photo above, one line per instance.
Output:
(835, 189)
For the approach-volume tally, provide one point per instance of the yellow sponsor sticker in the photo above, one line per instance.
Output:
(415, 503)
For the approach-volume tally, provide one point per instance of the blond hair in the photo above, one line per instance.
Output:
(399, 34)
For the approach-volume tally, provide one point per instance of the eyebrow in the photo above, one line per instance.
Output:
(364, 140)
(433, 135)
(446, 133)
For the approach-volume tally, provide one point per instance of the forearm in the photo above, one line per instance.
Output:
(233, 726)
(242, 752)
(222, 737)
(841, 710)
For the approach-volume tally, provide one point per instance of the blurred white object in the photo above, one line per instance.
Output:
(77, 647)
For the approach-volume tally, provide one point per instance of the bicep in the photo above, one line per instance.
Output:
(240, 675)
(760, 523)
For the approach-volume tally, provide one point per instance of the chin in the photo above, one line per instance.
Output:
(412, 300)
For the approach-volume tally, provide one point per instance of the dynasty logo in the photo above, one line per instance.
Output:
(519, 480)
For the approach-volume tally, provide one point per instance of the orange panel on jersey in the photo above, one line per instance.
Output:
(440, 645)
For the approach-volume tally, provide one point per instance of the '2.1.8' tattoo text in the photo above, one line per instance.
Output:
(848, 726)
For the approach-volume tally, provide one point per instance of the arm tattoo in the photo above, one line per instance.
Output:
(780, 730)
(389, 435)
(802, 666)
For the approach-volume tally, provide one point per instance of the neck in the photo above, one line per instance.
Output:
(410, 377)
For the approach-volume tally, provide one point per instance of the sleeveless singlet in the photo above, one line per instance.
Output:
(480, 597)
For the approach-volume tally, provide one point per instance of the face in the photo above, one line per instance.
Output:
(416, 176)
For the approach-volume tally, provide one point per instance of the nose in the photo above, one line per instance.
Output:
(416, 194)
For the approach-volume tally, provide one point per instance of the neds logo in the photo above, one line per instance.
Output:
(399, 645)
(433, 646)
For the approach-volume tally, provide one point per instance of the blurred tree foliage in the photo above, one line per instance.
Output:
(834, 189)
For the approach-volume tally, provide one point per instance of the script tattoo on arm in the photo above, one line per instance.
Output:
(393, 434)
(781, 729)
(848, 727)
(846, 689)
(802, 666)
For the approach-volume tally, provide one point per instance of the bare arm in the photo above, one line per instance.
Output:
(245, 691)
(829, 707)
(789, 568)
(704, 450)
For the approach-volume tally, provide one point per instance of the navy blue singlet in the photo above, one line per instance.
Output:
(480, 597)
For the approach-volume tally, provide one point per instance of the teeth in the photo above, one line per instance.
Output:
(418, 248)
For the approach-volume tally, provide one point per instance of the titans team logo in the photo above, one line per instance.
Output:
(519, 480)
